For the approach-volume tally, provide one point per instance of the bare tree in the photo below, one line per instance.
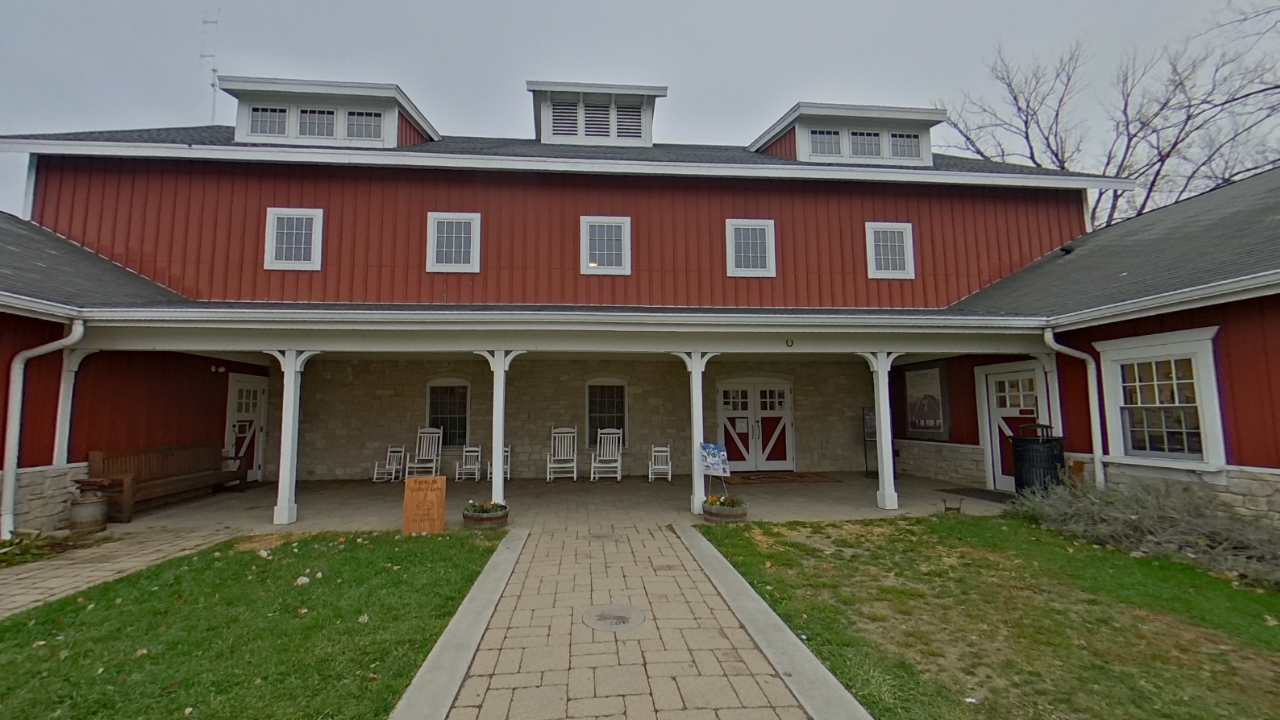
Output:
(1186, 119)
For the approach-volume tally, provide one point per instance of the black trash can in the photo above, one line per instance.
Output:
(1037, 458)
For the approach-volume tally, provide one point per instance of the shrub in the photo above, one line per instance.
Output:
(487, 508)
(1177, 521)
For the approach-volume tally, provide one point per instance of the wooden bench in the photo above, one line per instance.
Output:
(135, 475)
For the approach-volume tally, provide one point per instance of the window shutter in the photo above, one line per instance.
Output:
(564, 118)
(629, 125)
(597, 120)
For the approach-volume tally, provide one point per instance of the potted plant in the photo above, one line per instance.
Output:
(484, 516)
(724, 508)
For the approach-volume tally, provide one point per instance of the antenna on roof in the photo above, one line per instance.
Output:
(212, 57)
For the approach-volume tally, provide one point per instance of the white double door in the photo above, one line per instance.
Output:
(755, 425)
(246, 421)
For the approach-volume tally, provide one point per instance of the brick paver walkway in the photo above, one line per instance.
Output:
(28, 585)
(690, 660)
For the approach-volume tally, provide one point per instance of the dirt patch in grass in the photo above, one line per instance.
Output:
(253, 543)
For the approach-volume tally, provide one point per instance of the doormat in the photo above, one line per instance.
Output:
(763, 478)
(979, 494)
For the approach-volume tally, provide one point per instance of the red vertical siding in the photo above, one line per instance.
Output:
(130, 400)
(407, 134)
(1247, 354)
(784, 146)
(961, 390)
(198, 228)
(40, 394)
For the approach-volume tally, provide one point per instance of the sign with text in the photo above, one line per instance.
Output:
(423, 505)
(715, 460)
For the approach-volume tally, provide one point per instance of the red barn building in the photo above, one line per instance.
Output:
(332, 274)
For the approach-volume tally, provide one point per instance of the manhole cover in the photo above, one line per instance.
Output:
(606, 537)
(613, 618)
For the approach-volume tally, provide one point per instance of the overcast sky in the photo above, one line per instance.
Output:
(732, 67)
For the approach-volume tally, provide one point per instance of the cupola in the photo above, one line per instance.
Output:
(593, 114)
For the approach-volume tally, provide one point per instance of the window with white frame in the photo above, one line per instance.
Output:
(606, 408)
(904, 145)
(364, 125)
(268, 120)
(824, 142)
(864, 144)
(890, 251)
(315, 123)
(453, 242)
(606, 245)
(449, 409)
(1162, 398)
(294, 238)
(749, 248)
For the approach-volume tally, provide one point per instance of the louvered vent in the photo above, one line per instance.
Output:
(629, 124)
(564, 118)
(597, 120)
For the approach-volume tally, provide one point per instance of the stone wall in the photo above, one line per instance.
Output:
(1248, 493)
(949, 462)
(351, 410)
(43, 500)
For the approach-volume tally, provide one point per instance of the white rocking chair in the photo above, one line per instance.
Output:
(426, 456)
(606, 461)
(470, 465)
(506, 465)
(391, 469)
(660, 462)
(562, 461)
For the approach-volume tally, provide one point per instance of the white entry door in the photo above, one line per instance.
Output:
(1015, 400)
(756, 427)
(246, 421)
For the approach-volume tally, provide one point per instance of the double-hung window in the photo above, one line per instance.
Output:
(824, 142)
(453, 242)
(315, 123)
(448, 408)
(295, 238)
(890, 251)
(749, 248)
(606, 408)
(1162, 397)
(606, 245)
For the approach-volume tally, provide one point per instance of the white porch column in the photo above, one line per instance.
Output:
(887, 495)
(696, 362)
(71, 359)
(291, 364)
(500, 363)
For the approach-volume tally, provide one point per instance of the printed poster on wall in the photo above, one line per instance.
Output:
(925, 401)
(715, 460)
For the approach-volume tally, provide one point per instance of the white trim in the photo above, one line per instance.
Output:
(602, 88)
(612, 381)
(909, 249)
(585, 241)
(1164, 463)
(393, 158)
(1243, 288)
(981, 374)
(448, 381)
(39, 309)
(472, 267)
(771, 264)
(317, 239)
(806, 127)
(928, 116)
(29, 190)
(1196, 344)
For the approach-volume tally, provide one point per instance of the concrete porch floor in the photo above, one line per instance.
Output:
(536, 504)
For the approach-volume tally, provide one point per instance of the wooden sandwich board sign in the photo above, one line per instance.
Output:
(423, 505)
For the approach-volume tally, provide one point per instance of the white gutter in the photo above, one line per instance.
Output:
(1095, 409)
(13, 421)
(444, 161)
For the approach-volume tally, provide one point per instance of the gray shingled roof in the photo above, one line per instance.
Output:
(219, 135)
(42, 265)
(1227, 234)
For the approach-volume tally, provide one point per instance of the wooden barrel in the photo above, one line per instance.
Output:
(89, 513)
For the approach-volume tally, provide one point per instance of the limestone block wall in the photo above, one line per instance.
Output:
(43, 499)
(949, 462)
(1247, 493)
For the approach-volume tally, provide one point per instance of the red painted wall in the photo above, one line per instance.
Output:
(1247, 353)
(131, 400)
(407, 134)
(784, 146)
(199, 228)
(40, 395)
(962, 395)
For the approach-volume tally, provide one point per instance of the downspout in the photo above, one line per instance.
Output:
(13, 421)
(1095, 408)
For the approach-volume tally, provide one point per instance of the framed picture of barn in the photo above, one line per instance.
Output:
(927, 406)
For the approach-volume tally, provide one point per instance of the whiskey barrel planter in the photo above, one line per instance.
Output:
(89, 512)
(484, 521)
(719, 514)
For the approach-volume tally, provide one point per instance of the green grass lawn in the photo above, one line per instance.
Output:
(988, 617)
(229, 633)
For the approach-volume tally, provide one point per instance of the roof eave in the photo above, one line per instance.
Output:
(1225, 291)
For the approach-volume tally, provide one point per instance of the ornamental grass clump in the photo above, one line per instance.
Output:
(485, 508)
(729, 501)
(1177, 521)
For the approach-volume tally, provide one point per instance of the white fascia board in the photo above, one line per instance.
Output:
(38, 309)
(646, 90)
(927, 116)
(235, 86)
(1245, 288)
(388, 158)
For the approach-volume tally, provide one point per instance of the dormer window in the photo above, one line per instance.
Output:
(364, 125)
(315, 123)
(590, 114)
(852, 134)
(824, 142)
(864, 144)
(904, 145)
(268, 120)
